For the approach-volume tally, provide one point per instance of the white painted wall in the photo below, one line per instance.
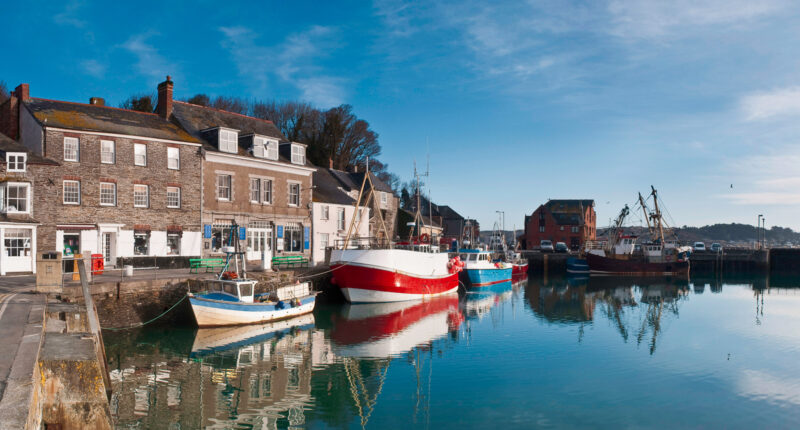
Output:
(125, 243)
(329, 226)
(158, 243)
(89, 243)
(192, 243)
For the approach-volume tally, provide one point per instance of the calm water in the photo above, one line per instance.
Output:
(561, 353)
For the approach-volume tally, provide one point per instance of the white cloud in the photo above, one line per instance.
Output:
(149, 62)
(294, 61)
(769, 104)
(761, 385)
(93, 68)
(655, 18)
(69, 16)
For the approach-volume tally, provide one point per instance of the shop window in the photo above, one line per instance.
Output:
(221, 236)
(293, 238)
(72, 244)
(173, 244)
(141, 243)
(17, 242)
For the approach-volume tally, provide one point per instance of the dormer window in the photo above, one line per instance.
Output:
(271, 149)
(298, 154)
(16, 162)
(228, 141)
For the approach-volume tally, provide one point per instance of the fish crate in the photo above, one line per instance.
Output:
(292, 291)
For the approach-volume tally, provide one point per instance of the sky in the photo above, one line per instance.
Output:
(513, 103)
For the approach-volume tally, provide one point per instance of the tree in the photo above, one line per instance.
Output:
(231, 104)
(199, 99)
(296, 120)
(140, 103)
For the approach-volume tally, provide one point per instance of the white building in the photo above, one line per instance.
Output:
(332, 212)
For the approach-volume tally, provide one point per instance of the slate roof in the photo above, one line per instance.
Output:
(8, 144)
(195, 119)
(352, 181)
(327, 189)
(447, 212)
(567, 212)
(104, 119)
(569, 204)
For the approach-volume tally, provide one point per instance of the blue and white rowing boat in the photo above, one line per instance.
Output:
(481, 271)
(232, 302)
(577, 266)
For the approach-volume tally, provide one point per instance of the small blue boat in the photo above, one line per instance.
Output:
(577, 266)
(481, 271)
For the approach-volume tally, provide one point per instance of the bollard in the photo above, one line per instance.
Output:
(76, 276)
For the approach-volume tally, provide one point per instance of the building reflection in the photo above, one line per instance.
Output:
(636, 307)
(241, 377)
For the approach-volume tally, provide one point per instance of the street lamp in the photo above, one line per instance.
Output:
(758, 230)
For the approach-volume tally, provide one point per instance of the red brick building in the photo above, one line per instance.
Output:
(570, 221)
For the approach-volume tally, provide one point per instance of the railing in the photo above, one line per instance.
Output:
(363, 243)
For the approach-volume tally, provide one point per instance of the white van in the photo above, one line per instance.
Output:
(699, 246)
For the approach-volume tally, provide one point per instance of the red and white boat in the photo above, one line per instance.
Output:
(405, 272)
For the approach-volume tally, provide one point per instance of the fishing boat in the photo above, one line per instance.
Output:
(621, 254)
(519, 266)
(230, 299)
(371, 270)
(577, 266)
(481, 271)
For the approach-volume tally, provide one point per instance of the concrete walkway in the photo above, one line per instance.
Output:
(21, 315)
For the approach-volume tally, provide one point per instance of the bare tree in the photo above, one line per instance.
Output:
(231, 104)
(199, 99)
(296, 120)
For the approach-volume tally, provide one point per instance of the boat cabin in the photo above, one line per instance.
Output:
(476, 259)
(416, 246)
(232, 290)
(625, 245)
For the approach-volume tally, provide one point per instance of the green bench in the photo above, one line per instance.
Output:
(195, 264)
(290, 261)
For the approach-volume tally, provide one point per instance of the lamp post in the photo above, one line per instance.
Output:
(758, 230)
(764, 232)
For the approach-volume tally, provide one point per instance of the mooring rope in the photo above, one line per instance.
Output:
(148, 322)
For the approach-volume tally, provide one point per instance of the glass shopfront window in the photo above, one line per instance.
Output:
(141, 243)
(293, 238)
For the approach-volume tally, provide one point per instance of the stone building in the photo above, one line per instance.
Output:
(126, 183)
(350, 183)
(17, 223)
(570, 221)
(252, 176)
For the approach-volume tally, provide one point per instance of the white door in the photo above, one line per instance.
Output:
(256, 243)
(108, 244)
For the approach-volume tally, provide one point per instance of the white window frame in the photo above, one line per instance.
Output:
(77, 151)
(228, 186)
(271, 149)
(323, 240)
(384, 198)
(146, 195)
(136, 155)
(112, 152)
(325, 212)
(291, 187)
(173, 236)
(298, 154)
(340, 219)
(114, 189)
(64, 192)
(13, 162)
(173, 190)
(228, 140)
(173, 157)
(4, 197)
(266, 191)
(255, 192)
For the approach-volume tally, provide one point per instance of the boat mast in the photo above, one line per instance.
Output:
(612, 240)
(657, 215)
(646, 215)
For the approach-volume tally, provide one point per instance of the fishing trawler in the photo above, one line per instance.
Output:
(481, 271)
(230, 299)
(370, 270)
(655, 256)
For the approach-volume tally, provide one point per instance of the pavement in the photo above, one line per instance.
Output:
(21, 315)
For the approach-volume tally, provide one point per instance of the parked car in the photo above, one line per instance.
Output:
(561, 247)
(716, 247)
(546, 246)
(699, 246)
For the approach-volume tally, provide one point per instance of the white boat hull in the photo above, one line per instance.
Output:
(212, 313)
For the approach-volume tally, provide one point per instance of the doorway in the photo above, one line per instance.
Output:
(108, 244)
(258, 240)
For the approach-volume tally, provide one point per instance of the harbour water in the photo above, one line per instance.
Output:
(556, 353)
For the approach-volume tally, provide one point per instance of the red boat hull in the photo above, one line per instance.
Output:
(612, 266)
(361, 284)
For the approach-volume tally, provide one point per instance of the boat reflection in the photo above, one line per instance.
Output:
(635, 306)
(477, 303)
(379, 330)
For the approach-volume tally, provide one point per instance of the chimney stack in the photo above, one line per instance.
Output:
(23, 92)
(97, 101)
(164, 106)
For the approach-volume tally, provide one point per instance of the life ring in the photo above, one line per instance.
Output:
(424, 237)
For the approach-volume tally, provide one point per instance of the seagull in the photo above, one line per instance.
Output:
(731, 185)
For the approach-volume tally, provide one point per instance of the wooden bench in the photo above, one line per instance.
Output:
(290, 261)
(195, 264)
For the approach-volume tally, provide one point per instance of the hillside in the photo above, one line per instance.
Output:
(726, 233)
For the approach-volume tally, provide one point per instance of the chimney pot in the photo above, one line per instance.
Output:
(164, 106)
(97, 101)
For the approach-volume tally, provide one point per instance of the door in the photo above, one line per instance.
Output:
(256, 243)
(108, 245)
(18, 255)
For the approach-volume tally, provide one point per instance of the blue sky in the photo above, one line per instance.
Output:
(516, 102)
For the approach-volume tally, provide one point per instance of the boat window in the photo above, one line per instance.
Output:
(246, 290)
(473, 257)
(229, 288)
